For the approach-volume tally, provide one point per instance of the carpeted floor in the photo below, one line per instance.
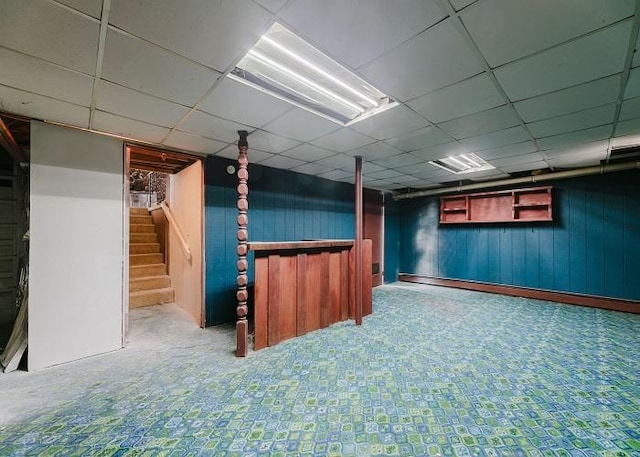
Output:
(434, 371)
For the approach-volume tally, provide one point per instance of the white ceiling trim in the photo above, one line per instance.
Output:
(104, 26)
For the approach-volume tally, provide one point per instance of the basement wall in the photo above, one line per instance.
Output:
(591, 247)
(77, 248)
(283, 206)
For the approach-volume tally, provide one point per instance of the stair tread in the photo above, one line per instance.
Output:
(147, 278)
(151, 291)
(148, 265)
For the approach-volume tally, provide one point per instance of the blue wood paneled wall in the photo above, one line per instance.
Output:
(283, 206)
(592, 246)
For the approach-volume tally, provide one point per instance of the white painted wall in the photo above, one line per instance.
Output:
(76, 249)
(187, 205)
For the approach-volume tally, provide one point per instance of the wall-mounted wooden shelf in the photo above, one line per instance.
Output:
(515, 205)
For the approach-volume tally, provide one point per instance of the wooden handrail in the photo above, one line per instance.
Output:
(172, 221)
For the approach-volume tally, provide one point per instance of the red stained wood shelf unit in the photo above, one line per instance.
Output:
(531, 204)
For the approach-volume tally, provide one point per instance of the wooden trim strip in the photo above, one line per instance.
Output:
(593, 301)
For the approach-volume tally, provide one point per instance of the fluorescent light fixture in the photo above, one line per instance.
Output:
(284, 65)
(463, 163)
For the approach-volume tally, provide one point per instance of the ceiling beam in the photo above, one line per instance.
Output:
(104, 25)
(9, 143)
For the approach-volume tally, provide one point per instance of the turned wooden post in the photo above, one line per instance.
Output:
(242, 325)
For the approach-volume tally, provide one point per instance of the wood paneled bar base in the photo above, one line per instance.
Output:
(615, 304)
(302, 286)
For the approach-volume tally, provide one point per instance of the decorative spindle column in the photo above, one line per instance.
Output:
(242, 325)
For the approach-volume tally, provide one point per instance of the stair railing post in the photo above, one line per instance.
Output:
(242, 294)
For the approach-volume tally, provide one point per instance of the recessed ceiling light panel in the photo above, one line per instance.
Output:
(463, 163)
(289, 68)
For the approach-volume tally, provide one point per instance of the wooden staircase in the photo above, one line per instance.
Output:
(149, 283)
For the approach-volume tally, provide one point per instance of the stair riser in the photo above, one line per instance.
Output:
(147, 270)
(144, 248)
(143, 238)
(160, 282)
(138, 212)
(142, 228)
(145, 259)
(152, 298)
(140, 220)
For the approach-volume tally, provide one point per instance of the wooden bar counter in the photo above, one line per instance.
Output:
(302, 286)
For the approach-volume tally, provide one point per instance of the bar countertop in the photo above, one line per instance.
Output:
(293, 245)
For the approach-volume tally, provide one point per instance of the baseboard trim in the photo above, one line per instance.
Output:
(592, 301)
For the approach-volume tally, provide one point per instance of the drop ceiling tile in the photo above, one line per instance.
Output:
(361, 29)
(255, 156)
(460, 4)
(50, 32)
(308, 153)
(390, 123)
(441, 150)
(335, 175)
(524, 167)
(630, 127)
(374, 151)
(487, 175)
(209, 126)
(385, 174)
(508, 151)
(625, 141)
(311, 169)
(591, 57)
(570, 100)
(338, 161)
(424, 63)
(194, 143)
(241, 103)
(529, 27)
(400, 160)
(34, 75)
(630, 109)
(493, 140)
(636, 55)
(466, 97)
(129, 61)
(419, 139)
(587, 157)
(571, 122)
(42, 108)
(301, 125)
(404, 179)
(136, 105)
(519, 159)
(633, 84)
(272, 5)
(592, 148)
(90, 7)
(491, 120)
(581, 136)
(128, 128)
(215, 34)
(434, 174)
(343, 140)
(269, 142)
(368, 168)
(282, 162)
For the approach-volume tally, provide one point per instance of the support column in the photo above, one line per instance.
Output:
(358, 240)
(242, 325)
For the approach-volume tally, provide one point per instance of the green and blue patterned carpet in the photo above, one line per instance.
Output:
(434, 371)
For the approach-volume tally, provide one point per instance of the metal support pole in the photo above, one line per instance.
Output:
(358, 241)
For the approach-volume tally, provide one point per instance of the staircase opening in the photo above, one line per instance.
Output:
(165, 239)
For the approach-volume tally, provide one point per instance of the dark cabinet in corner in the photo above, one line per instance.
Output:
(531, 204)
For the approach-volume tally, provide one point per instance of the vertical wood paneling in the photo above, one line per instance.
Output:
(595, 243)
(334, 295)
(273, 300)
(577, 241)
(313, 300)
(323, 289)
(367, 278)
(591, 247)
(344, 285)
(302, 307)
(261, 302)
(287, 320)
